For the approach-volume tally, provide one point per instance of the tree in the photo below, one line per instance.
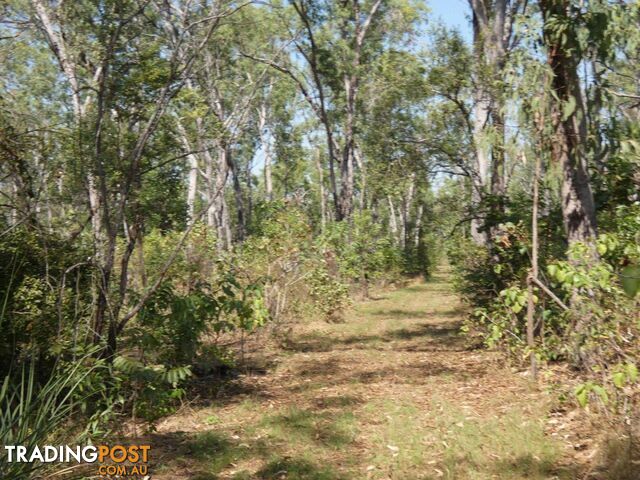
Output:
(493, 38)
(560, 34)
(102, 50)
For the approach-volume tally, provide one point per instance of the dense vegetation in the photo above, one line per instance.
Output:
(177, 176)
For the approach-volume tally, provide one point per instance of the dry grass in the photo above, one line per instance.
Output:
(392, 393)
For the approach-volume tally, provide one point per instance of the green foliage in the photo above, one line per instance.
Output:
(171, 325)
(37, 311)
(155, 388)
(364, 250)
(33, 414)
(330, 295)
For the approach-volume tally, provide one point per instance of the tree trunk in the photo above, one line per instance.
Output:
(192, 181)
(418, 227)
(407, 202)
(363, 177)
(346, 164)
(492, 33)
(393, 221)
(266, 148)
(569, 122)
(220, 210)
(241, 216)
(323, 200)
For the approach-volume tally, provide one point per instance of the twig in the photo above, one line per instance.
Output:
(553, 296)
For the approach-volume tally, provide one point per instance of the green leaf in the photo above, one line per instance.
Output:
(601, 392)
(568, 108)
(619, 379)
(582, 395)
(630, 277)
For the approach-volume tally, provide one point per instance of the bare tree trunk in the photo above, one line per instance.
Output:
(96, 203)
(569, 149)
(418, 227)
(393, 221)
(479, 180)
(210, 191)
(407, 202)
(192, 181)
(498, 180)
(323, 200)
(225, 224)
(533, 274)
(569, 121)
(220, 213)
(363, 177)
(241, 226)
(346, 167)
(266, 148)
(492, 34)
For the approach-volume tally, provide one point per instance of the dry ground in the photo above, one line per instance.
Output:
(392, 393)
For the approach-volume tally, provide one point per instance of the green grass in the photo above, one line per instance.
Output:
(377, 398)
(295, 426)
(440, 441)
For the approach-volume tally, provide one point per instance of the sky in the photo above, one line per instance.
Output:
(453, 13)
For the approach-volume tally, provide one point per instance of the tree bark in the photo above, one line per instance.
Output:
(533, 274)
(569, 123)
(323, 200)
(266, 148)
(393, 221)
(492, 35)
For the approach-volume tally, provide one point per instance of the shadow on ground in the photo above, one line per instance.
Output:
(431, 337)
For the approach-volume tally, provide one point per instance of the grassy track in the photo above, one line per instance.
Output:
(392, 393)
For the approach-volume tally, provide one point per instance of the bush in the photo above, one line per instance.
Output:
(33, 415)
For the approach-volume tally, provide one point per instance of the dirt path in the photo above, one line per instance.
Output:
(390, 394)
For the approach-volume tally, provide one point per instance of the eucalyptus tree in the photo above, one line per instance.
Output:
(394, 160)
(493, 39)
(564, 50)
(123, 62)
(334, 44)
(228, 107)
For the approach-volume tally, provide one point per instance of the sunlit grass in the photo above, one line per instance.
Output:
(365, 402)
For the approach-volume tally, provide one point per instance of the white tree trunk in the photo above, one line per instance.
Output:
(192, 181)
(393, 221)
(418, 226)
(266, 148)
(323, 199)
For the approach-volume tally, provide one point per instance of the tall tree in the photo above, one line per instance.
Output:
(493, 37)
(103, 49)
(560, 34)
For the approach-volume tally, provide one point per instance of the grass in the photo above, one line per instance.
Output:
(305, 427)
(391, 394)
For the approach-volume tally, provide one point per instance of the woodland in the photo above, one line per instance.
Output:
(322, 239)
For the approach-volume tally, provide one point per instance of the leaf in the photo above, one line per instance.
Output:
(582, 394)
(568, 108)
(619, 379)
(630, 277)
(601, 392)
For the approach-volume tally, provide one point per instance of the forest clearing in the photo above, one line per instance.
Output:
(319, 239)
(393, 393)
